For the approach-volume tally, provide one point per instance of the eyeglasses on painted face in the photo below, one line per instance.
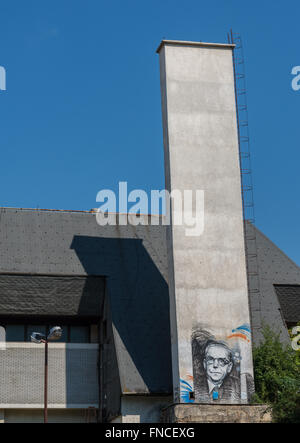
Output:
(221, 361)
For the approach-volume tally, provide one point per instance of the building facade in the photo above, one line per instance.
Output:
(108, 289)
(149, 315)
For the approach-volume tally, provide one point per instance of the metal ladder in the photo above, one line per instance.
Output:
(246, 178)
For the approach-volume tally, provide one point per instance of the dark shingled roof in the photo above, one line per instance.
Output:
(289, 299)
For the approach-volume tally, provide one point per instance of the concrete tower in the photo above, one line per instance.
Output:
(210, 321)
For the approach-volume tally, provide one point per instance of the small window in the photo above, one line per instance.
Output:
(15, 333)
(70, 334)
(79, 334)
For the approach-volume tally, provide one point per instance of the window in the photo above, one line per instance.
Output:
(79, 334)
(70, 333)
(15, 333)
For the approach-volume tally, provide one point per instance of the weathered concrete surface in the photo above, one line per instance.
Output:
(207, 274)
(216, 414)
(54, 416)
(142, 409)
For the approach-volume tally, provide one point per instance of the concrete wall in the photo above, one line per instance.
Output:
(54, 416)
(207, 273)
(147, 409)
(217, 414)
(73, 376)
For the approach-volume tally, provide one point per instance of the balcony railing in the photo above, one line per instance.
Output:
(72, 375)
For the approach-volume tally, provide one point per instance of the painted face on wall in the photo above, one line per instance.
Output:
(217, 363)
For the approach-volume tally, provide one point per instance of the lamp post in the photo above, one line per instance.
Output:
(54, 334)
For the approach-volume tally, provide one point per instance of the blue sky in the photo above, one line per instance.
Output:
(82, 107)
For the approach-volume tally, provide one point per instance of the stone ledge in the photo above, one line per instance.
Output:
(206, 413)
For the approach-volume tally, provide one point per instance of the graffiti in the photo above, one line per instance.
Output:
(186, 391)
(217, 368)
(242, 332)
(295, 340)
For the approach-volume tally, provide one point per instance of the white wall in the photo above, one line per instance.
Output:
(207, 273)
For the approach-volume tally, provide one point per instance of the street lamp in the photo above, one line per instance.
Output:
(54, 334)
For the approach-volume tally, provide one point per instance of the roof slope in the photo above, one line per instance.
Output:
(289, 299)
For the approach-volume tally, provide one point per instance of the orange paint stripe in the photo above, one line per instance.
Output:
(239, 336)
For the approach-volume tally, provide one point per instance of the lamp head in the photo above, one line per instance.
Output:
(55, 333)
(36, 337)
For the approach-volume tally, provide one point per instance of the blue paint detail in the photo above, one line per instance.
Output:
(245, 329)
(215, 395)
(185, 389)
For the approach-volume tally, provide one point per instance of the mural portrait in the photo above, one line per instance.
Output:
(217, 373)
